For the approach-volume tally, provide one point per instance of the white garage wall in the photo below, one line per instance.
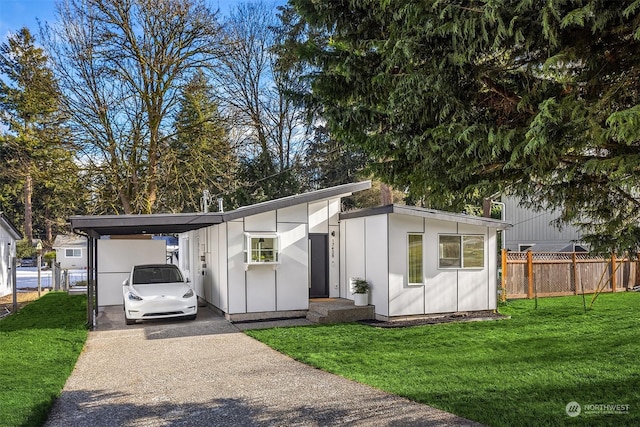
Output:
(115, 260)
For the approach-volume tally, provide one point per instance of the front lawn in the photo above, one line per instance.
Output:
(522, 371)
(39, 347)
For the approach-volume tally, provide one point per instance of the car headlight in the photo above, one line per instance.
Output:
(134, 297)
(189, 294)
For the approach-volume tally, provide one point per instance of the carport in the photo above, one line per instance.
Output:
(94, 227)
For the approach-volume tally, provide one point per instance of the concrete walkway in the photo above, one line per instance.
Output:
(208, 373)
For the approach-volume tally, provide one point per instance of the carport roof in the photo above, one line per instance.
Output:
(99, 225)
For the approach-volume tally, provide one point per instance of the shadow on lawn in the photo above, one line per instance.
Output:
(97, 408)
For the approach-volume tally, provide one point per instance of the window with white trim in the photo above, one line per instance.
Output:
(262, 249)
(73, 253)
(415, 259)
(523, 247)
(461, 251)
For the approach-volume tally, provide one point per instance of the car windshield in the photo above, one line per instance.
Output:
(156, 274)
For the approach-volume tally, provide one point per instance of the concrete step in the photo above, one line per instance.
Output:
(339, 311)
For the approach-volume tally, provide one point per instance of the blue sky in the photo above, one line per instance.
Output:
(15, 14)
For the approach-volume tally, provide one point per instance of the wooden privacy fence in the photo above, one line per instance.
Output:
(543, 274)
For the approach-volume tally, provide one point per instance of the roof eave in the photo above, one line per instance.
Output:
(428, 213)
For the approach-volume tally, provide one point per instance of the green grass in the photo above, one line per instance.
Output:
(39, 347)
(521, 371)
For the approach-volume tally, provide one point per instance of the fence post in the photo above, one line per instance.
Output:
(530, 274)
(575, 273)
(614, 279)
(503, 279)
(14, 283)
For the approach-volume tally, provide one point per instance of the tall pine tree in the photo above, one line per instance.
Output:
(199, 156)
(34, 151)
(457, 100)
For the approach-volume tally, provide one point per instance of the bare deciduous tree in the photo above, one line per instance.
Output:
(269, 128)
(121, 65)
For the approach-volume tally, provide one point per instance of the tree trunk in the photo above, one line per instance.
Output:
(28, 215)
(386, 198)
(49, 232)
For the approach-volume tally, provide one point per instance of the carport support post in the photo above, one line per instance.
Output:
(95, 279)
(90, 260)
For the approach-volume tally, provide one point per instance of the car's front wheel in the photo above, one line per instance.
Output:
(129, 321)
(191, 317)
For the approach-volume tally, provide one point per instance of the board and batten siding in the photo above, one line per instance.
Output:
(532, 227)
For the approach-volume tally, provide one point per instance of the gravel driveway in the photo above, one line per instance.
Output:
(208, 373)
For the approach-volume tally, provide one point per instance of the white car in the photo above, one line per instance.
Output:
(157, 291)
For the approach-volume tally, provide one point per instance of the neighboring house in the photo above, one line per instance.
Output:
(71, 251)
(421, 261)
(535, 231)
(267, 260)
(9, 234)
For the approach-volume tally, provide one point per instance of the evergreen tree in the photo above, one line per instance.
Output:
(199, 156)
(34, 152)
(457, 100)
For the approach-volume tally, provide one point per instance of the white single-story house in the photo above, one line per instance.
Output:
(9, 234)
(71, 251)
(269, 259)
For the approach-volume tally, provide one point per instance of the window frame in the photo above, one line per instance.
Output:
(421, 264)
(275, 249)
(73, 251)
(461, 249)
(524, 247)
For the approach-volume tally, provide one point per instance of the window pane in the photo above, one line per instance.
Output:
(73, 253)
(264, 249)
(473, 251)
(415, 258)
(449, 251)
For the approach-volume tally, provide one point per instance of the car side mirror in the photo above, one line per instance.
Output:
(126, 282)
